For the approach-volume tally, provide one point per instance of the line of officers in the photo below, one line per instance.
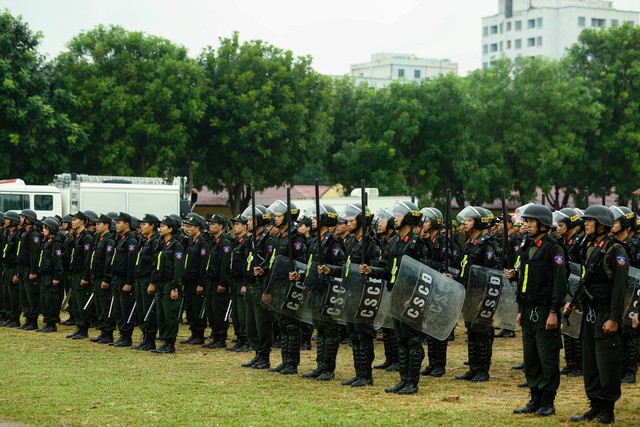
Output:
(121, 272)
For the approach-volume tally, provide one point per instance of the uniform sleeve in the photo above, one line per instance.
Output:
(57, 260)
(489, 258)
(110, 247)
(178, 266)
(132, 254)
(226, 252)
(87, 249)
(337, 258)
(299, 249)
(34, 252)
(205, 254)
(559, 274)
(620, 268)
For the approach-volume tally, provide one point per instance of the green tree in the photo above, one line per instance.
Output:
(266, 117)
(609, 60)
(138, 98)
(36, 135)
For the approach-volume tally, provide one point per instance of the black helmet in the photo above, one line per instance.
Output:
(489, 214)
(112, 215)
(354, 211)
(408, 211)
(171, 222)
(91, 215)
(262, 215)
(239, 218)
(151, 219)
(625, 215)
(280, 208)
(2, 217)
(481, 216)
(13, 216)
(434, 215)
(218, 219)
(601, 214)
(540, 212)
(328, 215)
(569, 216)
(385, 215)
(30, 215)
(52, 224)
(194, 219)
(67, 218)
(135, 222)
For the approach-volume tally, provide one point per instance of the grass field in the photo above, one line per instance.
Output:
(46, 379)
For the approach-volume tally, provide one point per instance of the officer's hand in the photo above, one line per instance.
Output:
(323, 270)
(635, 322)
(221, 289)
(151, 289)
(294, 276)
(266, 298)
(33, 276)
(568, 308)
(104, 285)
(448, 275)
(15, 279)
(519, 318)
(364, 269)
(199, 290)
(552, 321)
(126, 288)
(243, 290)
(55, 282)
(510, 274)
(174, 295)
(84, 282)
(258, 271)
(610, 327)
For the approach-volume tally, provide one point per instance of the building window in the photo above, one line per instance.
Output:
(630, 23)
(582, 21)
(43, 202)
(508, 44)
(539, 23)
(485, 65)
(501, 46)
(493, 47)
(416, 74)
(518, 43)
(518, 25)
(614, 23)
(508, 26)
(485, 49)
(531, 23)
(598, 23)
(539, 41)
(492, 63)
(485, 31)
(493, 29)
(531, 41)
(400, 72)
(501, 27)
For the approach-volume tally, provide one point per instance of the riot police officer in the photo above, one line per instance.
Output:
(101, 259)
(80, 267)
(238, 288)
(29, 255)
(50, 275)
(10, 285)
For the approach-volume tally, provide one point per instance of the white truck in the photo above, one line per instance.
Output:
(71, 192)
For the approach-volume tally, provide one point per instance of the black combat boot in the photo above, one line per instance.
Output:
(98, 338)
(199, 339)
(431, 355)
(395, 365)
(293, 354)
(76, 332)
(263, 362)
(355, 351)
(606, 414)
(244, 345)
(366, 355)
(51, 327)
(150, 343)
(125, 341)
(167, 347)
(331, 346)
(630, 361)
(189, 340)
(319, 359)
(569, 354)
(532, 405)
(251, 362)
(577, 359)
(284, 352)
(484, 345)
(591, 414)
(472, 349)
(403, 367)
(387, 339)
(547, 407)
(143, 341)
(84, 333)
(108, 338)
(441, 359)
(416, 356)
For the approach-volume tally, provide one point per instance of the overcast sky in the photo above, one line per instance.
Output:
(336, 33)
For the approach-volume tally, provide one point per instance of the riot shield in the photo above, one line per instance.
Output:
(285, 297)
(363, 296)
(632, 298)
(323, 296)
(571, 326)
(491, 299)
(424, 299)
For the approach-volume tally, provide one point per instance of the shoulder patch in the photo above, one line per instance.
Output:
(270, 248)
(622, 260)
(178, 255)
(36, 239)
(226, 249)
(109, 248)
(336, 251)
(297, 245)
(203, 251)
(132, 247)
(559, 260)
(87, 246)
(58, 252)
(490, 254)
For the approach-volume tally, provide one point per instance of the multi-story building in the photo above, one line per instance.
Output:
(387, 67)
(531, 28)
